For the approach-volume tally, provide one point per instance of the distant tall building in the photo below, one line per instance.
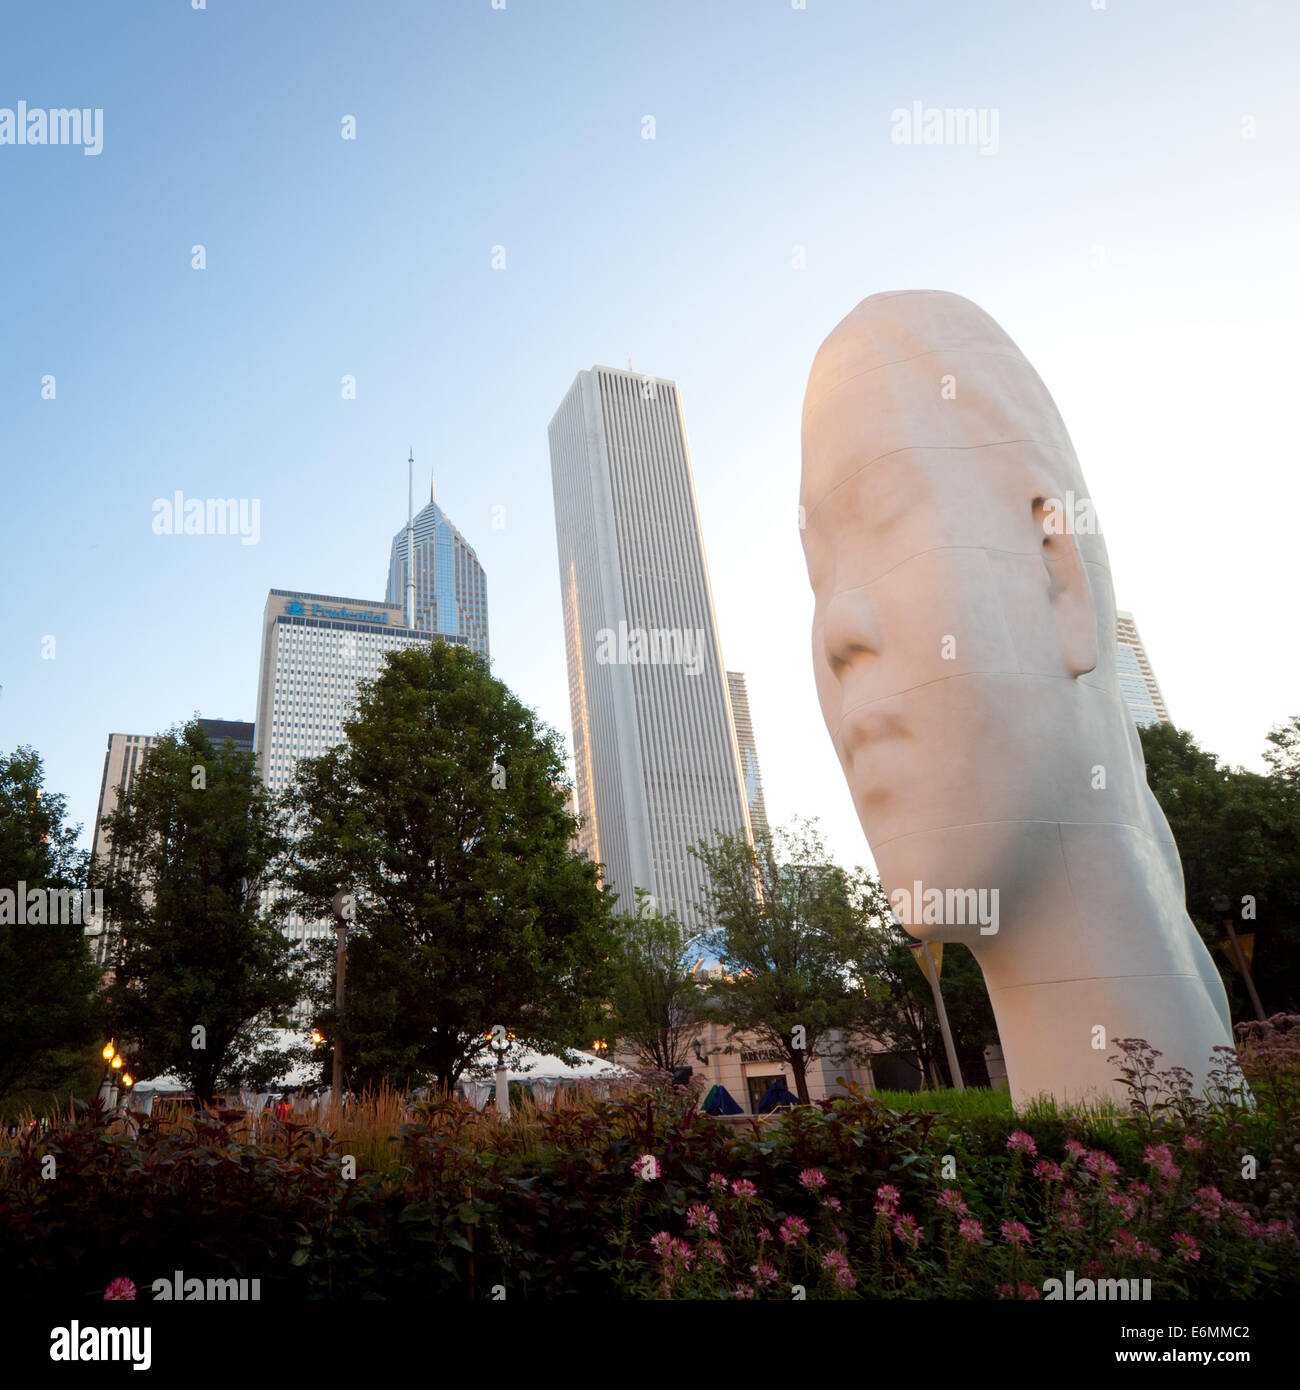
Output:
(1137, 681)
(656, 757)
(748, 751)
(124, 759)
(315, 648)
(450, 586)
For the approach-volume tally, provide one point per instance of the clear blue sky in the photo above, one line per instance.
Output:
(1118, 128)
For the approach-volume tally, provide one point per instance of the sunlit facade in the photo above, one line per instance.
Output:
(1137, 681)
(656, 761)
(450, 585)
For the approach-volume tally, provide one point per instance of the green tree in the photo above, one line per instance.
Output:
(443, 813)
(1238, 835)
(201, 968)
(788, 929)
(905, 1015)
(654, 994)
(49, 1014)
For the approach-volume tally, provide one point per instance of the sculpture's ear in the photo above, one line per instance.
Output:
(1069, 592)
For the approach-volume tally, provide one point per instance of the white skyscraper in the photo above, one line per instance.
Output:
(748, 751)
(315, 648)
(655, 750)
(1137, 681)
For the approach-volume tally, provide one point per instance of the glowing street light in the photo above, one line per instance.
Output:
(501, 1040)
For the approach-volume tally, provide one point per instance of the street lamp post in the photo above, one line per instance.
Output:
(344, 907)
(501, 1040)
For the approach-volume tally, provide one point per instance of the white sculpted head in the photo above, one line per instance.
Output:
(965, 656)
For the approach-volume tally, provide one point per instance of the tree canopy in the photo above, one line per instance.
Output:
(444, 814)
(1238, 835)
(200, 966)
(49, 1016)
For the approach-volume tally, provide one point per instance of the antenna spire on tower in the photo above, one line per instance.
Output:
(408, 608)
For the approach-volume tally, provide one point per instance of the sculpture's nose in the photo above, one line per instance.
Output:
(852, 631)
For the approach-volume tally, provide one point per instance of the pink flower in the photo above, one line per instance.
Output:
(1138, 1189)
(742, 1291)
(1278, 1233)
(645, 1167)
(951, 1200)
(812, 1179)
(793, 1230)
(712, 1250)
(1158, 1157)
(1192, 1144)
(1101, 1163)
(1208, 1202)
(743, 1190)
(668, 1247)
(717, 1183)
(837, 1263)
(1187, 1247)
(118, 1290)
(763, 1272)
(833, 1203)
(764, 1233)
(1020, 1142)
(1074, 1149)
(971, 1231)
(1126, 1244)
(1016, 1233)
(1124, 1205)
(700, 1215)
(1049, 1171)
(887, 1198)
(906, 1230)
(1021, 1290)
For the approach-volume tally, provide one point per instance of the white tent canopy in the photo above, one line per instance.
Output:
(532, 1067)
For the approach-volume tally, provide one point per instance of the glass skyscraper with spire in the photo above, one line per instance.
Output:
(450, 586)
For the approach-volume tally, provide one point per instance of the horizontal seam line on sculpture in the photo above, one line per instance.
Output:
(1081, 979)
(930, 352)
(958, 675)
(965, 824)
(934, 449)
(934, 549)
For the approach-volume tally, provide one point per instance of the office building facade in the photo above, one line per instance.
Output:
(748, 751)
(1137, 681)
(315, 649)
(122, 762)
(450, 585)
(656, 759)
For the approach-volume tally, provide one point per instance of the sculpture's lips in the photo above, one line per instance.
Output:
(869, 726)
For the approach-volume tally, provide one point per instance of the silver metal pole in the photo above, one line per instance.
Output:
(953, 1067)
